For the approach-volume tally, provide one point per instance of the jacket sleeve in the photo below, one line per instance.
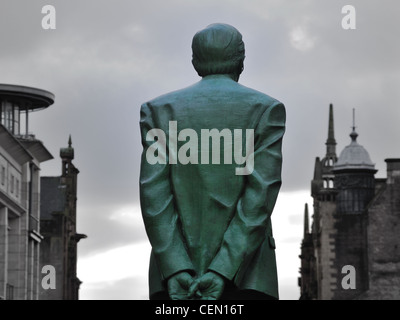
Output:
(158, 209)
(247, 229)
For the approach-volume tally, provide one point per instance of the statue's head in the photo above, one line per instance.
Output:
(218, 49)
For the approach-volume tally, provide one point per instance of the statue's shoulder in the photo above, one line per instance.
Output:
(258, 96)
(172, 96)
(232, 89)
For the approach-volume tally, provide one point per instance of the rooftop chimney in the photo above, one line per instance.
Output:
(393, 171)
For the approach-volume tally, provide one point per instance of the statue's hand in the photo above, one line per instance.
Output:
(208, 287)
(178, 286)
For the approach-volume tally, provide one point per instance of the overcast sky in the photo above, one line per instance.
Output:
(105, 58)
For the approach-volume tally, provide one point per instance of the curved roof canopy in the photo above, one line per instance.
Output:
(32, 98)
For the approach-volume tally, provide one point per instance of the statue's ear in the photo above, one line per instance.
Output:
(239, 70)
(241, 66)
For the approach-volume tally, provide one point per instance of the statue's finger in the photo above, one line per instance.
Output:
(193, 288)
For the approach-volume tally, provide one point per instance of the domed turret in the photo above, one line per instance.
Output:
(354, 177)
(354, 156)
(67, 153)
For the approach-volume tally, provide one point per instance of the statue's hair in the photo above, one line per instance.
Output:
(218, 49)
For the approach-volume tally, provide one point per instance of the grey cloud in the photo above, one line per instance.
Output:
(109, 225)
(134, 288)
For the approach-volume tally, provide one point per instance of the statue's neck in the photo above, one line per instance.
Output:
(228, 76)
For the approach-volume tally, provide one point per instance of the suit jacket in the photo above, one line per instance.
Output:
(202, 217)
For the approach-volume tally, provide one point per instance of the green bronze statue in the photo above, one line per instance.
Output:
(210, 175)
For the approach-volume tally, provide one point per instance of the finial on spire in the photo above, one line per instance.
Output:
(69, 142)
(354, 134)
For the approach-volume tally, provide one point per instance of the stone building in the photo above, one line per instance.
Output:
(37, 214)
(58, 227)
(20, 157)
(352, 250)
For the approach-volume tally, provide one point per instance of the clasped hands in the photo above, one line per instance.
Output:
(182, 286)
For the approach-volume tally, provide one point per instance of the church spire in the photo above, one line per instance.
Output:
(317, 170)
(306, 221)
(331, 142)
(317, 182)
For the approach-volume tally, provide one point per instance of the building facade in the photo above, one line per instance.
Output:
(37, 214)
(352, 250)
(20, 157)
(58, 227)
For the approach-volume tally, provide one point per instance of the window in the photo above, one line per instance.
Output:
(3, 114)
(16, 119)
(10, 116)
(329, 162)
(3, 175)
(17, 188)
(12, 184)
